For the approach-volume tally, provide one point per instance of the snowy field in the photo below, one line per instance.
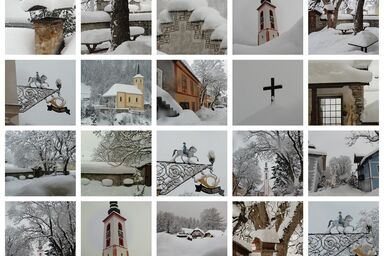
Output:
(60, 185)
(96, 188)
(171, 245)
(204, 116)
(331, 41)
(119, 119)
(343, 190)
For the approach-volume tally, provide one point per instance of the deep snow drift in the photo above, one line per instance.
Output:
(343, 190)
(96, 188)
(290, 42)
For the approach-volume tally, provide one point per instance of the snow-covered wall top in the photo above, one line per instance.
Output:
(49, 4)
(105, 168)
(325, 72)
(15, 13)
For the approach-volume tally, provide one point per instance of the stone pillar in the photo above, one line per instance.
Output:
(49, 35)
(11, 100)
(358, 94)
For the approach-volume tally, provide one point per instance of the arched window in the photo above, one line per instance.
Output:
(272, 19)
(120, 226)
(108, 227)
(108, 235)
(261, 20)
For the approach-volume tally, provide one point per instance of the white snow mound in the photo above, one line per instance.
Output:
(107, 182)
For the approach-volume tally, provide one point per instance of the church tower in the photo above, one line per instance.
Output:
(267, 189)
(115, 243)
(138, 79)
(267, 22)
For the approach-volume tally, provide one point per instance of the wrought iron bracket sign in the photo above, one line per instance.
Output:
(327, 244)
(37, 90)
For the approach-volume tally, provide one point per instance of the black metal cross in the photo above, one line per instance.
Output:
(272, 88)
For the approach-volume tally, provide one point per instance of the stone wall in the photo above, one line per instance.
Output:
(183, 37)
(49, 37)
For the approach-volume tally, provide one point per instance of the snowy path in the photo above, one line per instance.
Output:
(95, 188)
(344, 190)
(170, 245)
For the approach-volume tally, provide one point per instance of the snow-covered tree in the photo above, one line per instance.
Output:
(211, 219)
(341, 168)
(284, 218)
(369, 222)
(168, 222)
(246, 170)
(365, 136)
(52, 222)
(213, 78)
(285, 145)
(119, 23)
(124, 147)
(16, 243)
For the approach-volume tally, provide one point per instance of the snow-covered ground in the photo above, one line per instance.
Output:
(290, 42)
(142, 45)
(171, 245)
(204, 116)
(96, 188)
(60, 185)
(343, 190)
(331, 41)
(119, 119)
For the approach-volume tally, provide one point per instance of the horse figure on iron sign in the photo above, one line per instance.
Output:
(38, 81)
(188, 153)
(340, 222)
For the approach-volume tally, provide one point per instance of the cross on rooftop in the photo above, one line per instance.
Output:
(272, 89)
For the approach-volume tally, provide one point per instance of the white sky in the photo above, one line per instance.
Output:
(89, 142)
(204, 141)
(192, 209)
(53, 69)
(320, 213)
(245, 18)
(138, 227)
(220, 5)
(249, 78)
(334, 144)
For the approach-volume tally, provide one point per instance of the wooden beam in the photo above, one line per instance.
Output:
(315, 108)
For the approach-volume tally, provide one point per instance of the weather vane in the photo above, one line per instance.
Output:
(272, 88)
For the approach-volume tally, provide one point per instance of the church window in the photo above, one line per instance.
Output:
(129, 99)
(120, 226)
(330, 110)
(108, 242)
(272, 19)
(121, 99)
(121, 242)
(261, 20)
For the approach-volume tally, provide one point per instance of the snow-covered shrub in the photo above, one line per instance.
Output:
(22, 177)
(85, 181)
(10, 178)
(107, 182)
(128, 182)
(30, 176)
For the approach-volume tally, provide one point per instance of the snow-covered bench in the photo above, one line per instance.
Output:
(363, 39)
(349, 27)
(92, 38)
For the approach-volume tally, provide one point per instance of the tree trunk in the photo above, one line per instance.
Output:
(65, 168)
(359, 16)
(120, 23)
(282, 248)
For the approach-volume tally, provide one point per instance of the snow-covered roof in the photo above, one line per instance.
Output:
(266, 235)
(197, 230)
(92, 167)
(368, 156)
(243, 243)
(313, 151)
(139, 76)
(48, 4)
(11, 168)
(127, 88)
(331, 71)
(94, 17)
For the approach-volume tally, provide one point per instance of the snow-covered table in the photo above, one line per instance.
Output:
(363, 39)
(92, 38)
(345, 27)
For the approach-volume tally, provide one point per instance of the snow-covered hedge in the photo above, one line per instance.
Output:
(22, 177)
(85, 181)
(30, 176)
(128, 181)
(10, 178)
(107, 182)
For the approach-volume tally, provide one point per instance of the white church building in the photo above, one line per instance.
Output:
(115, 243)
(267, 22)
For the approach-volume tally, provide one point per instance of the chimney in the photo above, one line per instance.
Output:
(49, 35)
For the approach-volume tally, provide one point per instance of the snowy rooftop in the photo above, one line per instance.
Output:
(312, 151)
(266, 235)
(92, 167)
(139, 76)
(368, 155)
(48, 4)
(326, 72)
(243, 243)
(122, 88)
(10, 168)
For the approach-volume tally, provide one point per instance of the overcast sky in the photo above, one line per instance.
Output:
(334, 144)
(53, 69)
(192, 209)
(320, 213)
(220, 5)
(89, 142)
(246, 18)
(138, 227)
(204, 141)
(252, 105)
